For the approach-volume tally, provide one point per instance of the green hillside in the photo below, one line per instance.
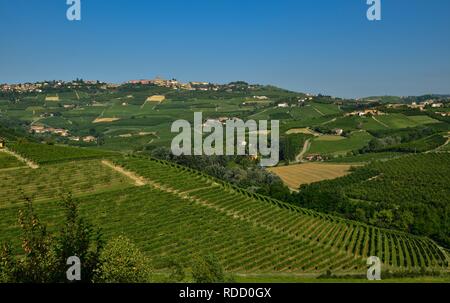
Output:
(174, 212)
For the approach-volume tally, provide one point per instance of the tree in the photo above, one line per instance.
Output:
(207, 269)
(39, 262)
(44, 256)
(122, 262)
(78, 238)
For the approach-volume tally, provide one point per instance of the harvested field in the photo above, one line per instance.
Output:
(105, 120)
(52, 98)
(156, 98)
(306, 131)
(295, 175)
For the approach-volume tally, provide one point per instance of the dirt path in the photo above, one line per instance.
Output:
(30, 163)
(328, 122)
(322, 114)
(384, 124)
(261, 112)
(305, 149)
(138, 181)
(440, 147)
(76, 93)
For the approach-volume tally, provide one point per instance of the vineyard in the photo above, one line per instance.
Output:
(47, 182)
(8, 161)
(408, 193)
(44, 154)
(180, 213)
(325, 242)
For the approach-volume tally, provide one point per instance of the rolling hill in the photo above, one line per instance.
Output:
(171, 211)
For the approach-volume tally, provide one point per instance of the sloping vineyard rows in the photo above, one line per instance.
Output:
(48, 182)
(8, 161)
(166, 225)
(330, 236)
(43, 154)
(421, 178)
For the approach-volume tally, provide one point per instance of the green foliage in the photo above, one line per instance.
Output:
(239, 171)
(78, 238)
(409, 193)
(291, 145)
(207, 269)
(122, 262)
(44, 153)
(44, 256)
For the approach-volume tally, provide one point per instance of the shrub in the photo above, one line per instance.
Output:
(208, 269)
(122, 262)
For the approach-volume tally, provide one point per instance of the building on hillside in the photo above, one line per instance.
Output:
(338, 131)
(89, 139)
(2, 143)
(315, 158)
(38, 129)
(283, 105)
(373, 112)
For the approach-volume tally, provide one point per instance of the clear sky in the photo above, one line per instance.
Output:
(317, 46)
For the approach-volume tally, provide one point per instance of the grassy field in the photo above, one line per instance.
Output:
(366, 158)
(339, 145)
(295, 175)
(402, 121)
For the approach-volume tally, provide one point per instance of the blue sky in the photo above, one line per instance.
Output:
(317, 46)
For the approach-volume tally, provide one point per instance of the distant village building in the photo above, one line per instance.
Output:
(89, 139)
(338, 131)
(2, 143)
(261, 97)
(373, 112)
(283, 105)
(37, 129)
(315, 158)
(40, 129)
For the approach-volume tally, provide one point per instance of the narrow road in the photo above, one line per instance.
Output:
(328, 122)
(305, 149)
(318, 111)
(384, 124)
(138, 181)
(30, 163)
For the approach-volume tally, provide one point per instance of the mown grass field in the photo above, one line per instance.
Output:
(295, 175)
(333, 145)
